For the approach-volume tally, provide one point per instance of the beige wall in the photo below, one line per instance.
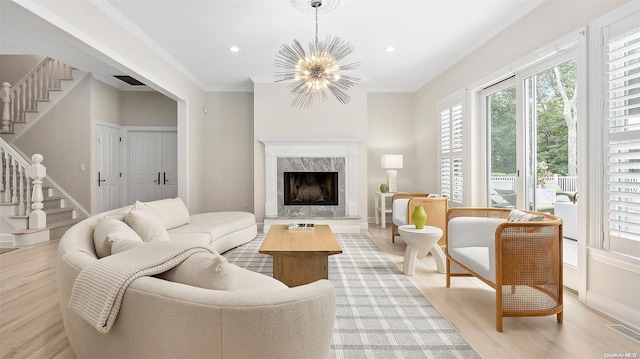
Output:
(14, 67)
(390, 126)
(69, 125)
(228, 134)
(148, 108)
(106, 103)
(275, 118)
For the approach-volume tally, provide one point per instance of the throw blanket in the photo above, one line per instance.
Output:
(99, 288)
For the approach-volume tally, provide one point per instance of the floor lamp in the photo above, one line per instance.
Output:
(391, 163)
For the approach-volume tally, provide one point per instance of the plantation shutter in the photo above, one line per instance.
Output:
(622, 124)
(451, 145)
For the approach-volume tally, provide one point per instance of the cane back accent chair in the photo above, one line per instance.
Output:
(436, 209)
(523, 262)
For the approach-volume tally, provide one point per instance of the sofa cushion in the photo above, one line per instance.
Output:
(475, 258)
(148, 226)
(399, 211)
(171, 211)
(217, 224)
(472, 231)
(203, 270)
(107, 231)
(249, 281)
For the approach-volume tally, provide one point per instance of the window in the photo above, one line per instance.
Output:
(622, 131)
(451, 183)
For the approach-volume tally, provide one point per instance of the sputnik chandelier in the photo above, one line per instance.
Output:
(319, 71)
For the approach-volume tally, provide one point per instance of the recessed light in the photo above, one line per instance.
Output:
(390, 49)
(234, 49)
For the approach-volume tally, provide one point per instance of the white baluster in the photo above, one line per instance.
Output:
(28, 195)
(2, 176)
(14, 180)
(21, 199)
(6, 100)
(7, 177)
(37, 218)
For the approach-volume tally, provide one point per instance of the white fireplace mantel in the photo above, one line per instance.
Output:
(275, 148)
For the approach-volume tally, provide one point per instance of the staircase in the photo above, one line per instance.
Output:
(22, 106)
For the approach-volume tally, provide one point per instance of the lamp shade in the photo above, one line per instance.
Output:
(391, 161)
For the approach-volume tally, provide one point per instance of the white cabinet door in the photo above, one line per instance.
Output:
(152, 165)
(107, 142)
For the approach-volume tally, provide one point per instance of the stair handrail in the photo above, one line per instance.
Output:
(32, 87)
(13, 179)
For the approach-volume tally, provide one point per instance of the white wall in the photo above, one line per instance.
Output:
(275, 118)
(390, 125)
(228, 133)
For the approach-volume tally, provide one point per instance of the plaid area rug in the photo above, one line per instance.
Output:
(379, 313)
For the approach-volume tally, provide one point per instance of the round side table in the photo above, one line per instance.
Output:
(419, 243)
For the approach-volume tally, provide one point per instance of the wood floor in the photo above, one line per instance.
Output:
(31, 323)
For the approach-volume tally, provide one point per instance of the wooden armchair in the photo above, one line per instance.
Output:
(522, 261)
(436, 209)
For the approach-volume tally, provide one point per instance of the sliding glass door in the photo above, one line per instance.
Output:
(531, 121)
(550, 111)
(500, 111)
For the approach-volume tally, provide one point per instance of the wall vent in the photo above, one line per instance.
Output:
(130, 80)
(626, 331)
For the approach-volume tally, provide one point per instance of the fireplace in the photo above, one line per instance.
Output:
(302, 155)
(310, 188)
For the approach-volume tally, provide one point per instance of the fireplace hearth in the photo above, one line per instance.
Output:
(310, 188)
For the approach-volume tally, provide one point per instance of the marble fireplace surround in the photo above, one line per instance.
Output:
(292, 151)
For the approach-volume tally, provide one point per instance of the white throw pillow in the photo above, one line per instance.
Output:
(171, 211)
(518, 216)
(109, 230)
(203, 270)
(148, 226)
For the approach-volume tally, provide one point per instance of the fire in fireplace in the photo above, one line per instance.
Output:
(310, 188)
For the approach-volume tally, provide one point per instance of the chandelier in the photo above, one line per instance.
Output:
(319, 71)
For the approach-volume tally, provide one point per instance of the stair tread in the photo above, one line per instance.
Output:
(59, 210)
(27, 231)
(19, 217)
(8, 204)
(64, 223)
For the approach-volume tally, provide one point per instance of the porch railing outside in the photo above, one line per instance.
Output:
(566, 183)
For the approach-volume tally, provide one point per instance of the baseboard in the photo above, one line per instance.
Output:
(6, 239)
(28, 239)
(624, 314)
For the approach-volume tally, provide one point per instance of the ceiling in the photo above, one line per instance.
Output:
(195, 36)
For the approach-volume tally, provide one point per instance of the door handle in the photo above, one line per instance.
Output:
(100, 180)
(164, 174)
(158, 180)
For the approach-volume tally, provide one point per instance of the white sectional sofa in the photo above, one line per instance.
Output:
(256, 316)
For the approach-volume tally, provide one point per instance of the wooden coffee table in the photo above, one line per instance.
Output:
(300, 257)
